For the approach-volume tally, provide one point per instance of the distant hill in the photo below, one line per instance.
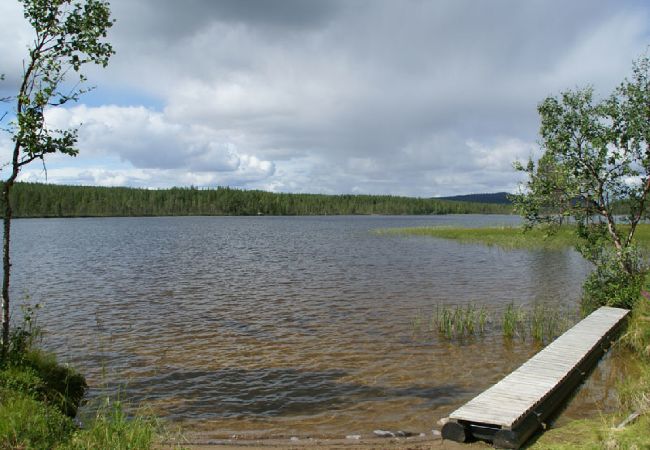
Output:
(499, 198)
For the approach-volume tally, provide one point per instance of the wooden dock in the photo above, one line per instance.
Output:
(509, 412)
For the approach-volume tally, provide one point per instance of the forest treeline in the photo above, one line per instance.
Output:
(50, 200)
(493, 197)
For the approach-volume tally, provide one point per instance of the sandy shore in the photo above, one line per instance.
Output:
(412, 443)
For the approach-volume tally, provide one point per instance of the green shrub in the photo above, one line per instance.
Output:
(610, 285)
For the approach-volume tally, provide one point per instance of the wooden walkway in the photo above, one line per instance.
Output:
(509, 412)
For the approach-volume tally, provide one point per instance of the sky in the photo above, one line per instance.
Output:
(402, 97)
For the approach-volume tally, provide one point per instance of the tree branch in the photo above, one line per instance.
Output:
(639, 213)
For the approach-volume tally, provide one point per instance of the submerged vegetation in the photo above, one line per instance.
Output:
(48, 200)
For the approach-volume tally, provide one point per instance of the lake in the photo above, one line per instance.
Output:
(284, 326)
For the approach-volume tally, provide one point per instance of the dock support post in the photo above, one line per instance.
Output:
(455, 431)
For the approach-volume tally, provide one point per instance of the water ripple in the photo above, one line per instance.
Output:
(270, 325)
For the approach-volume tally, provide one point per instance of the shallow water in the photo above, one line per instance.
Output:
(278, 326)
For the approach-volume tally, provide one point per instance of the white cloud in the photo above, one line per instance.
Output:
(501, 154)
(15, 36)
(155, 147)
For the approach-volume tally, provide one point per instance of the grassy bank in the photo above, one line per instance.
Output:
(504, 237)
(602, 431)
(39, 399)
(510, 238)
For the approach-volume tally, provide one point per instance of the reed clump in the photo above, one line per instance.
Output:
(514, 321)
(541, 323)
(455, 321)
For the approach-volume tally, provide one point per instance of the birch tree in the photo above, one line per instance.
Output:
(67, 35)
(595, 169)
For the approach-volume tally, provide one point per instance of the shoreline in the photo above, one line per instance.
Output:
(413, 442)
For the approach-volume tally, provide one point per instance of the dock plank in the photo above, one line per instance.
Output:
(513, 399)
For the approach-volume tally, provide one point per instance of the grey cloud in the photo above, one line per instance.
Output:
(172, 20)
(374, 95)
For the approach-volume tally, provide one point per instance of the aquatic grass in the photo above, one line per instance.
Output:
(542, 323)
(546, 322)
(445, 322)
(511, 237)
(537, 323)
(483, 319)
(458, 321)
(469, 319)
(506, 237)
(513, 320)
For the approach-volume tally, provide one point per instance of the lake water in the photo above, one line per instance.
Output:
(283, 326)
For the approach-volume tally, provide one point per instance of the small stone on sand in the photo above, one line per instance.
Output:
(383, 433)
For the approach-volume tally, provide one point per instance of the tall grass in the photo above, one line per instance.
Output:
(27, 423)
(635, 391)
(112, 428)
(541, 323)
(459, 321)
(512, 322)
(454, 321)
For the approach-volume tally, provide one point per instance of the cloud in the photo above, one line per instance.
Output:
(156, 147)
(135, 177)
(410, 97)
(15, 36)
